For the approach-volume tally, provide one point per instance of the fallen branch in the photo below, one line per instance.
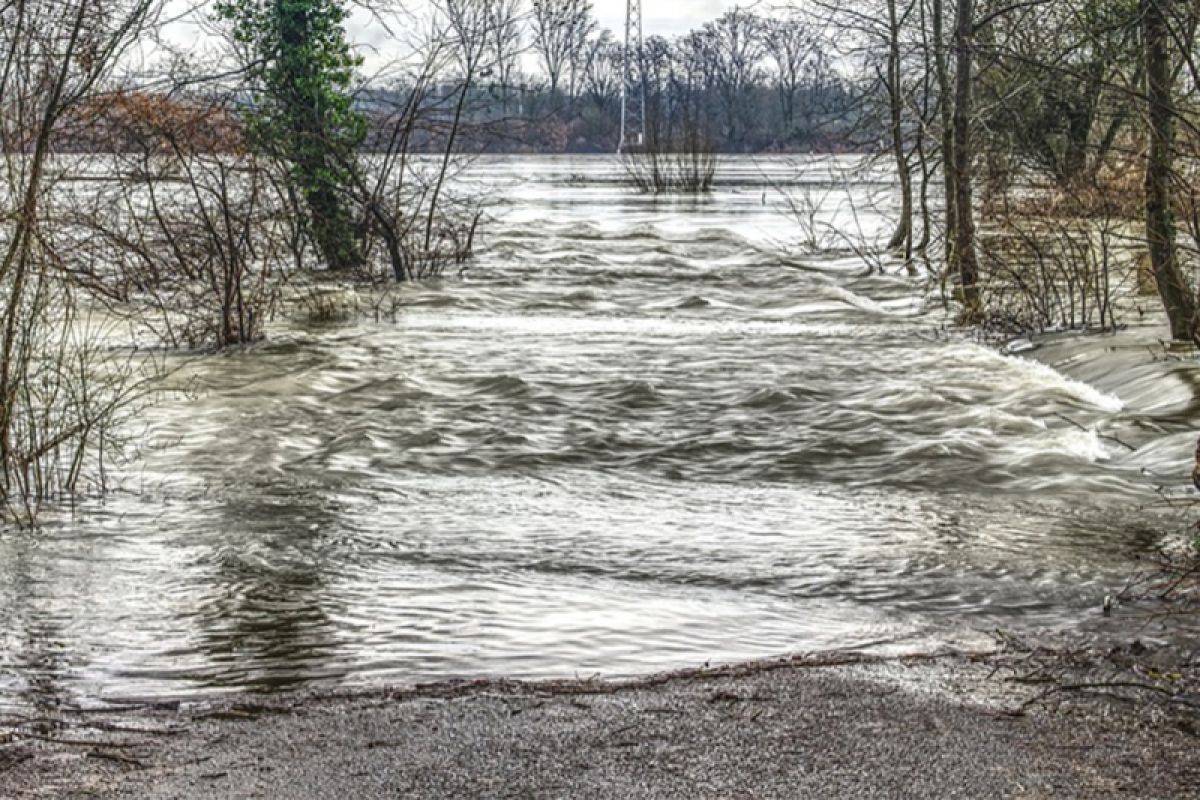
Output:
(1103, 685)
(76, 742)
(15, 761)
(121, 759)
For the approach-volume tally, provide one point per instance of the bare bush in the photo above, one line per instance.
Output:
(62, 388)
(1055, 260)
(409, 206)
(421, 232)
(71, 410)
(1187, 194)
(686, 164)
(187, 243)
(808, 207)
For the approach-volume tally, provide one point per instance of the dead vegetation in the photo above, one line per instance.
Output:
(1132, 674)
(1063, 257)
(685, 163)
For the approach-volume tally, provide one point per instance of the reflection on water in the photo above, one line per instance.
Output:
(264, 592)
(635, 435)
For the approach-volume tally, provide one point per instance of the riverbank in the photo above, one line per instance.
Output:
(839, 725)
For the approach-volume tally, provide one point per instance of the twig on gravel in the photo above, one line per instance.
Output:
(76, 742)
(17, 723)
(119, 758)
(1102, 686)
(15, 761)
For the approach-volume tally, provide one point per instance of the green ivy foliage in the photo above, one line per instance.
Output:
(300, 70)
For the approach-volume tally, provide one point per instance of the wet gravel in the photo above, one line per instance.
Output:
(922, 727)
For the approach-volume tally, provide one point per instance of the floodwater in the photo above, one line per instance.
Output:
(636, 434)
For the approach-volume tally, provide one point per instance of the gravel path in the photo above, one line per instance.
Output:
(903, 728)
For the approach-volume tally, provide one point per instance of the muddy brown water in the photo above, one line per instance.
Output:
(638, 433)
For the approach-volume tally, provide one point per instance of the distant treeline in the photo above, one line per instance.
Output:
(748, 83)
(826, 119)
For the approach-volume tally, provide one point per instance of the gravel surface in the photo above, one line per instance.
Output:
(858, 728)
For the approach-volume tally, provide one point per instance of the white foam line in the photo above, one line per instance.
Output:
(1084, 391)
(1039, 372)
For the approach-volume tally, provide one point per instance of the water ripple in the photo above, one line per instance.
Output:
(637, 434)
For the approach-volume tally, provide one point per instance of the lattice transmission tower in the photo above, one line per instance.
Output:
(633, 88)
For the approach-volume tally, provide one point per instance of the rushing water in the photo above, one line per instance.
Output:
(635, 434)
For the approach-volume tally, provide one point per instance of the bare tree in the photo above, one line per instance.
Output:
(902, 238)
(937, 40)
(886, 43)
(796, 51)
(578, 56)
(468, 26)
(504, 43)
(964, 258)
(55, 56)
(1161, 112)
(421, 225)
(602, 69)
(470, 21)
(735, 44)
(560, 33)
(188, 237)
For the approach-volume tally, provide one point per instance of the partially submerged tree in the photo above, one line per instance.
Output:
(902, 238)
(188, 236)
(964, 260)
(60, 395)
(300, 69)
(1179, 299)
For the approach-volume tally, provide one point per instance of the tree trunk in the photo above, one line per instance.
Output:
(1177, 297)
(921, 244)
(311, 151)
(902, 238)
(946, 109)
(964, 257)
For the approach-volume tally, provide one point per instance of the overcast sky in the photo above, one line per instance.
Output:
(659, 17)
(662, 17)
